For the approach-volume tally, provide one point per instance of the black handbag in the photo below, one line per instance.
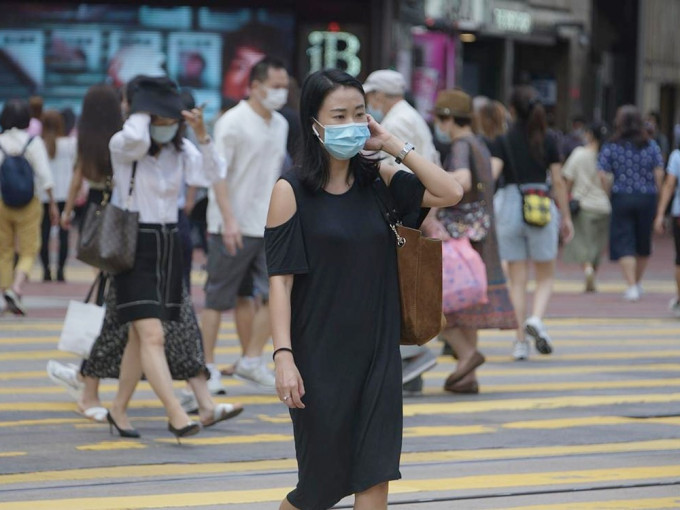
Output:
(108, 239)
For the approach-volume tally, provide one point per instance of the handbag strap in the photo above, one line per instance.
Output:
(101, 279)
(388, 208)
(475, 181)
(132, 184)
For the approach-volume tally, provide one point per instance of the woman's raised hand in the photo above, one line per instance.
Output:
(379, 135)
(195, 119)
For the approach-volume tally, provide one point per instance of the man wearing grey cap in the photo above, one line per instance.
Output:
(386, 104)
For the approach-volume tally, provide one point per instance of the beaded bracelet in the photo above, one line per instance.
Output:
(281, 349)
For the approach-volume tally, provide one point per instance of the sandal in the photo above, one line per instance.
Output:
(223, 412)
(96, 413)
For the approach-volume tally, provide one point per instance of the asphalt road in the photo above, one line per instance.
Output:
(594, 426)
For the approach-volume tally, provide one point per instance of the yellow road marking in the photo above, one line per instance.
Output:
(41, 422)
(564, 337)
(456, 407)
(534, 370)
(589, 421)
(112, 445)
(543, 387)
(38, 325)
(223, 498)
(12, 454)
(621, 504)
(160, 470)
(9, 376)
(526, 404)
(103, 388)
(213, 441)
(236, 350)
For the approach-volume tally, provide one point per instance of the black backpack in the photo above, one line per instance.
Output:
(16, 179)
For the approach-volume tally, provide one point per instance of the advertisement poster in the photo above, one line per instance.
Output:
(22, 61)
(133, 53)
(59, 50)
(194, 59)
(433, 68)
(74, 51)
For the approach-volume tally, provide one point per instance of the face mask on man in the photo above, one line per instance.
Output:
(275, 99)
(376, 113)
(163, 134)
(343, 141)
(441, 135)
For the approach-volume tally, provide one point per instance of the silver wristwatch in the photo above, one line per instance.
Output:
(408, 147)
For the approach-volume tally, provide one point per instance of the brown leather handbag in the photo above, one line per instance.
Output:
(419, 261)
(108, 239)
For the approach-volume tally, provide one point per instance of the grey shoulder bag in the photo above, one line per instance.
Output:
(108, 239)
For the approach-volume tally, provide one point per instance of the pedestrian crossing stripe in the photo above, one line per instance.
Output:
(454, 407)
(410, 486)
(622, 504)
(518, 369)
(290, 465)
(489, 389)
(12, 454)
(638, 324)
(236, 350)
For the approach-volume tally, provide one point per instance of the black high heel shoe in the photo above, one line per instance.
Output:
(190, 430)
(123, 432)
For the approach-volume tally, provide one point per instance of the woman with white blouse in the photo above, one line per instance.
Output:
(61, 150)
(152, 142)
(20, 223)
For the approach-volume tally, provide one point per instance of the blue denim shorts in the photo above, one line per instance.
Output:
(517, 240)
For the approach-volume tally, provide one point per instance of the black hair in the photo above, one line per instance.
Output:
(15, 114)
(69, 117)
(629, 127)
(260, 71)
(462, 121)
(656, 116)
(599, 131)
(532, 117)
(314, 160)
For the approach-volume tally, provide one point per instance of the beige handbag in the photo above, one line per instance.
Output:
(108, 239)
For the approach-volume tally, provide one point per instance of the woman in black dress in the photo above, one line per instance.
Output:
(335, 298)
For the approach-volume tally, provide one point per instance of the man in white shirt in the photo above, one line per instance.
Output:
(385, 91)
(385, 102)
(252, 139)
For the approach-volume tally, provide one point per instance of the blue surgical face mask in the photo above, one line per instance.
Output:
(376, 113)
(441, 135)
(163, 134)
(343, 141)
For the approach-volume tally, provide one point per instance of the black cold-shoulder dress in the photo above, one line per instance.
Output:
(345, 336)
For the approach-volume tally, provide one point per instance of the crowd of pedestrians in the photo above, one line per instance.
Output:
(299, 249)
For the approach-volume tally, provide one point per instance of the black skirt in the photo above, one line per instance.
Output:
(152, 289)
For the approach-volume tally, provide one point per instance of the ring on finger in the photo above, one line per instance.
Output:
(286, 398)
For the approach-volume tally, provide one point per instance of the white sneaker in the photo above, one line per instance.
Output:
(66, 377)
(258, 374)
(641, 291)
(535, 329)
(215, 381)
(674, 306)
(632, 294)
(188, 401)
(520, 350)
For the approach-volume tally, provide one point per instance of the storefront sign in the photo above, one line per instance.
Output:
(509, 20)
(334, 50)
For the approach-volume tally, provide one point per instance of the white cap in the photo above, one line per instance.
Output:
(387, 81)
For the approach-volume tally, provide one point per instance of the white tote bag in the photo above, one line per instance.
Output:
(82, 325)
